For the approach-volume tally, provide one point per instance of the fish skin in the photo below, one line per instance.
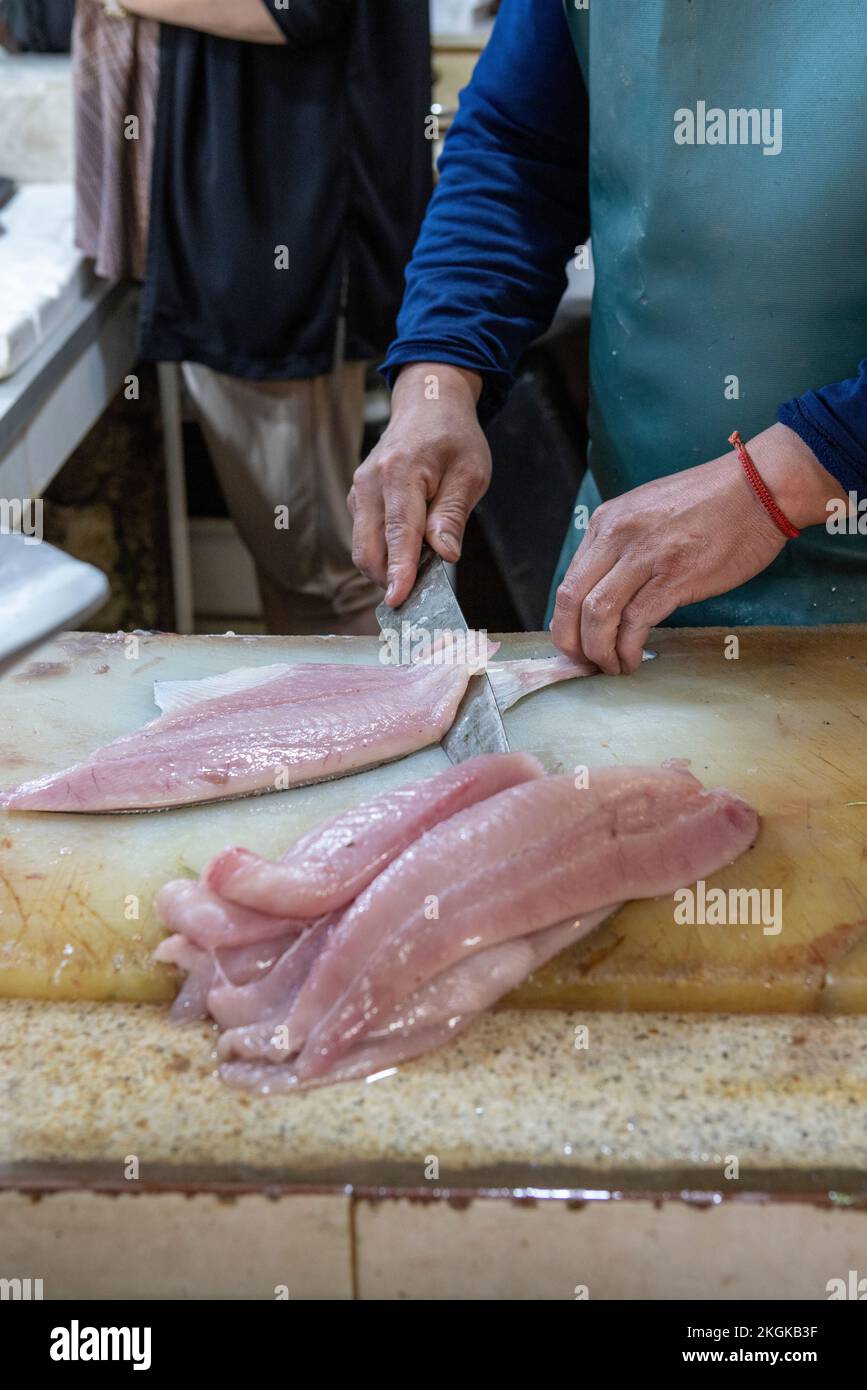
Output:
(327, 868)
(513, 680)
(213, 750)
(634, 833)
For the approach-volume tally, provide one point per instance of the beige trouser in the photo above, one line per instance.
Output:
(285, 453)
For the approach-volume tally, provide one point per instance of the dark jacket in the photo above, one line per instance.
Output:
(316, 146)
(39, 26)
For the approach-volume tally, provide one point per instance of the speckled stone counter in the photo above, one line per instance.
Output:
(652, 1102)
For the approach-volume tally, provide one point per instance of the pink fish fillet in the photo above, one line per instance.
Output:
(518, 862)
(430, 1017)
(241, 966)
(191, 1002)
(268, 994)
(185, 906)
(234, 967)
(328, 867)
(308, 724)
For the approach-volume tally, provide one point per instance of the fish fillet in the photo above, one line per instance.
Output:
(514, 878)
(327, 868)
(235, 1005)
(185, 905)
(200, 966)
(269, 728)
(518, 862)
(322, 871)
(430, 1017)
(311, 723)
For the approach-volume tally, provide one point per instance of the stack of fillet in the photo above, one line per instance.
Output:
(387, 930)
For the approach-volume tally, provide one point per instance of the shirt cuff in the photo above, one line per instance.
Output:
(812, 421)
(496, 384)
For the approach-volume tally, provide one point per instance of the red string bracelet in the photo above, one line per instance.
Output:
(757, 483)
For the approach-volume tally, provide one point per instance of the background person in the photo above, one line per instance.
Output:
(287, 182)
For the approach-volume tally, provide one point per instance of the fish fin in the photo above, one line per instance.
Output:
(173, 696)
(512, 680)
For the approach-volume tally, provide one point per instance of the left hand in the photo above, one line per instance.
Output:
(678, 540)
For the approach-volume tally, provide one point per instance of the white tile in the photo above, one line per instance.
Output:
(631, 1249)
(90, 1245)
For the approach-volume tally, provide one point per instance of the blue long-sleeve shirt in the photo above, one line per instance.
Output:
(488, 273)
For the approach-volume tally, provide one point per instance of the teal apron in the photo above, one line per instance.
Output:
(716, 261)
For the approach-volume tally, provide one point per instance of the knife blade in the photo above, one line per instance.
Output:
(431, 606)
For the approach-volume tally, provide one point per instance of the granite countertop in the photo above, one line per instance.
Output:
(654, 1102)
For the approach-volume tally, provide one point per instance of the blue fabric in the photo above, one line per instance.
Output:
(833, 423)
(488, 270)
(511, 204)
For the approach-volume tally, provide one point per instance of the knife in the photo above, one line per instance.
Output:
(431, 606)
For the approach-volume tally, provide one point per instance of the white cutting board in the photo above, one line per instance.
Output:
(70, 885)
(784, 725)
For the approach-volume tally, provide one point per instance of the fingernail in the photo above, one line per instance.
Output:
(450, 542)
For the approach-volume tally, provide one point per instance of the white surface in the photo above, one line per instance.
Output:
(56, 396)
(458, 17)
(44, 591)
(42, 275)
(224, 579)
(36, 116)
